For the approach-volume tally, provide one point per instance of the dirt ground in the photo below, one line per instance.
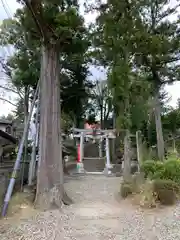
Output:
(96, 214)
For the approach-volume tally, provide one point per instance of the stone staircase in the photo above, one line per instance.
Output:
(117, 168)
(92, 163)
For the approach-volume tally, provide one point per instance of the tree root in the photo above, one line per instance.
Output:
(66, 199)
(52, 199)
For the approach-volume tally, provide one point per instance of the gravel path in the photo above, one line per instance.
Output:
(97, 215)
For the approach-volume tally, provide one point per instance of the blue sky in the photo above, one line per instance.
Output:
(5, 108)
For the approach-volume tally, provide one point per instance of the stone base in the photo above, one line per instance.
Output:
(80, 167)
(108, 170)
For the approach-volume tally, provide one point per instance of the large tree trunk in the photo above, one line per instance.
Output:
(50, 191)
(101, 116)
(159, 132)
(127, 157)
(26, 113)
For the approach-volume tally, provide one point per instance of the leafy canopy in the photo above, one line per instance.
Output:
(24, 66)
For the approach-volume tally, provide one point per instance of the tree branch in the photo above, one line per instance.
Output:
(33, 6)
(6, 100)
(169, 12)
(12, 90)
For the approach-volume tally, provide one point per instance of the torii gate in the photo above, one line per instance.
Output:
(94, 134)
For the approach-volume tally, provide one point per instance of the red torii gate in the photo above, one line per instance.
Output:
(91, 127)
(99, 134)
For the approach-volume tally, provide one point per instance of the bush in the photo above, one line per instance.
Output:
(168, 170)
(165, 177)
(171, 170)
(166, 191)
(171, 155)
(151, 168)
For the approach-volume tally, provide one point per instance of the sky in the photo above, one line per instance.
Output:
(5, 108)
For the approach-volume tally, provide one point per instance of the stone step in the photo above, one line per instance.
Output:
(117, 168)
(94, 165)
(92, 150)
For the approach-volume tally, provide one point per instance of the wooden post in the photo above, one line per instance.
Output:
(127, 157)
(139, 148)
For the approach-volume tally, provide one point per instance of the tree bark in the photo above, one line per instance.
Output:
(139, 148)
(50, 191)
(174, 144)
(101, 116)
(26, 113)
(127, 157)
(159, 132)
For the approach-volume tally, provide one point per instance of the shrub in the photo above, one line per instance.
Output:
(171, 170)
(151, 168)
(171, 155)
(165, 177)
(166, 191)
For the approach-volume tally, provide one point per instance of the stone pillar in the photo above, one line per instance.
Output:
(108, 166)
(100, 147)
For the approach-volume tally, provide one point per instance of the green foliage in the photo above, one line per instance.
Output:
(66, 29)
(141, 52)
(24, 66)
(171, 170)
(56, 23)
(162, 184)
(66, 122)
(75, 89)
(149, 132)
(168, 170)
(102, 101)
(171, 121)
(172, 156)
(113, 47)
(151, 168)
(166, 191)
(161, 45)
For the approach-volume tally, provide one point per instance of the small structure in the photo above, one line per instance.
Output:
(7, 146)
(94, 134)
(7, 126)
(7, 136)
